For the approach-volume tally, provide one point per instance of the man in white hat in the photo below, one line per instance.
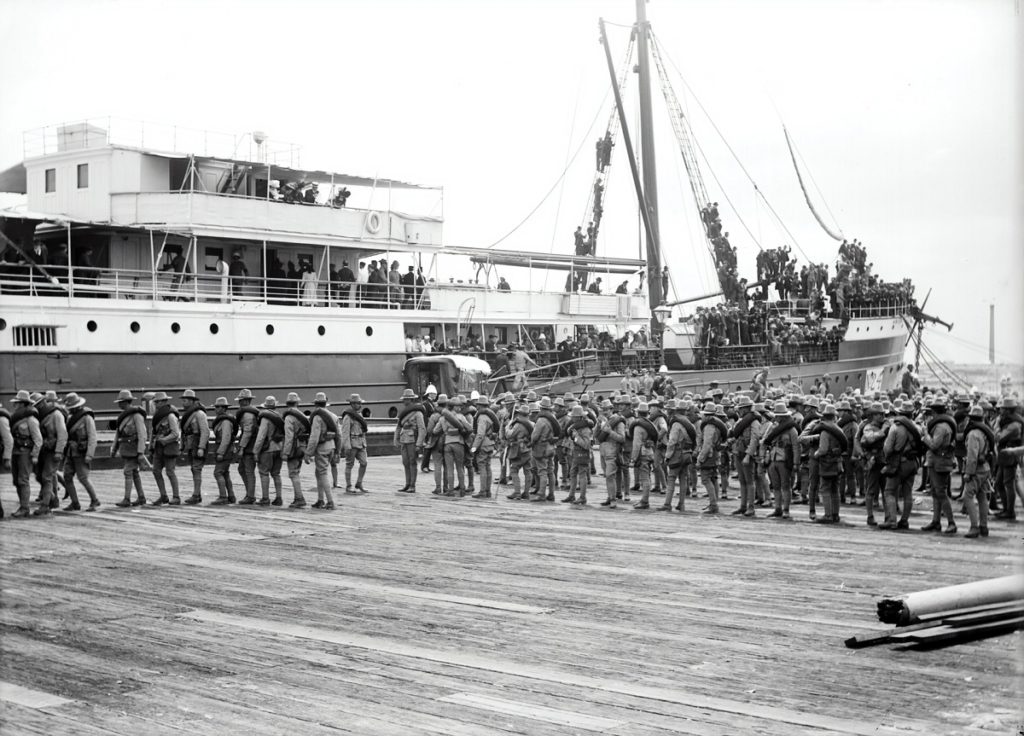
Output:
(53, 428)
(353, 442)
(410, 431)
(165, 448)
(247, 420)
(130, 443)
(223, 433)
(428, 403)
(267, 449)
(81, 448)
(321, 448)
(293, 451)
(27, 444)
(195, 436)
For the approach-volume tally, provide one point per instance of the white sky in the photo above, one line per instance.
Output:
(907, 114)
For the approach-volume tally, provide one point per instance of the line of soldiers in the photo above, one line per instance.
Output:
(45, 435)
(789, 450)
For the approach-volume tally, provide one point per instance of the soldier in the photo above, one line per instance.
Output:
(579, 432)
(353, 442)
(545, 434)
(435, 444)
(6, 445)
(940, 437)
(267, 449)
(712, 434)
(195, 436)
(468, 411)
(980, 442)
(429, 407)
(779, 447)
(53, 428)
(626, 413)
(1010, 435)
(848, 479)
(517, 441)
(563, 448)
(165, 447)
(610, 435)
(506, 413)
(591, 412)
(130, 443)
(410, 432)
(27, 441)
(321, 447)
(809, 479)
(831, 448)
(80, 450)
(485, 433)
(682, 439)
(659, 419)
(642, 436)
(868, 444)
(744, 440)
(726, 416)
(224, 429)
(247, 420)
(901, 452)
(453, 426)
(293, 449)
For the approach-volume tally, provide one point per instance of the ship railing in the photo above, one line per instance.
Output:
(886, 308)
(759, 356)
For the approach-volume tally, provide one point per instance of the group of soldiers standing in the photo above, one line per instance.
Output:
(785, 450)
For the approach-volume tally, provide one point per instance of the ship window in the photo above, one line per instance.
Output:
(91, 326)
(33, 336)
(393, 413)
(366, 412)
(175, 328)
(135, 327)
(369, 331)
(51, 180)
(270, 329)
(83, 176)
(321, 331)
(3, 324)
(214, 329)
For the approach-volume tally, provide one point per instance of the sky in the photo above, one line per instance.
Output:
(907, 117)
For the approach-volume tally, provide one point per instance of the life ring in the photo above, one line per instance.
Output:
(373, 223)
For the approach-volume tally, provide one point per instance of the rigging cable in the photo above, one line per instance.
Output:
(810, 175)
(561, 188)
(803, 188)
(586, 137)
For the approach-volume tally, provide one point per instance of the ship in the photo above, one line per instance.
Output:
(155, 257)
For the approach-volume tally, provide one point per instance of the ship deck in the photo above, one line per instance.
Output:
(416, 615)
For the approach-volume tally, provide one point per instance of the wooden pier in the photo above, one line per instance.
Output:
(411, 615)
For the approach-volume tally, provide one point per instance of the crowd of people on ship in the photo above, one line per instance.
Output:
(845, 453)
(306, 192)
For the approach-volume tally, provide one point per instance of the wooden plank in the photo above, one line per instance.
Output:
(27, 697)
(534, 711)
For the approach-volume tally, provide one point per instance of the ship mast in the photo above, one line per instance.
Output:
(650, 198)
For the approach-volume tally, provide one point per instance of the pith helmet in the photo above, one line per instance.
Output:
(355, 399)
(431, 391)
(292, 398)
(161, 396)
(221, 401)
(320, 399)
(577, 412)
(269, 403)
(244, 394)
(73, 401)
(408, 394)
(122, 395)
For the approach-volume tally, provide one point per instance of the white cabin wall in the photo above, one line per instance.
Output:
(124, 170)
(91, 203)
(154, 174)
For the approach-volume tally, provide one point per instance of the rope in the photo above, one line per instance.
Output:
(561, 188)
(807, 197)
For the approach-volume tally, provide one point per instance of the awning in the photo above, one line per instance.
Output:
(13, 180)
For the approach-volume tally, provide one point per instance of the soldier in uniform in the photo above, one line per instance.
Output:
(247, 420)
(53, 428)
(267, 449)
(761, 493)
(165, 447)
(682, 440)
(429, 404)
(712, 435)
(626, 413)
(81, 449)
(435, 444)
(563, 447)
(410, 432)
(980, 442)
(468, 410)
(1009, 436)
(940, 437)
(27, 444)
(321, 447)
(353, 442)
(517, 441)
(6, 445)
(641, 437)
(744, 440)
(581, 435)
(659, 419)
(506, 413)
(848, 479)
(453, 427)
(780, 450)
(293, 449)
(223, 432)
(610, 435)
(831, 448)
(130, 443)
(195, 436)
(900, 454)
(485, 433)
(868, 444)
(809, 479)
(542, 441)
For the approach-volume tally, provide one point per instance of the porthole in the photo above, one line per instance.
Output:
(270, 329)
(91, 326)
(321, 330)
(846, 377)
(135, 326)
(867, 329)
(3, 324)
(369, 331)
(175, 328)
(214, 329)
(393, 413)
(366, 410)
(858, 329)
